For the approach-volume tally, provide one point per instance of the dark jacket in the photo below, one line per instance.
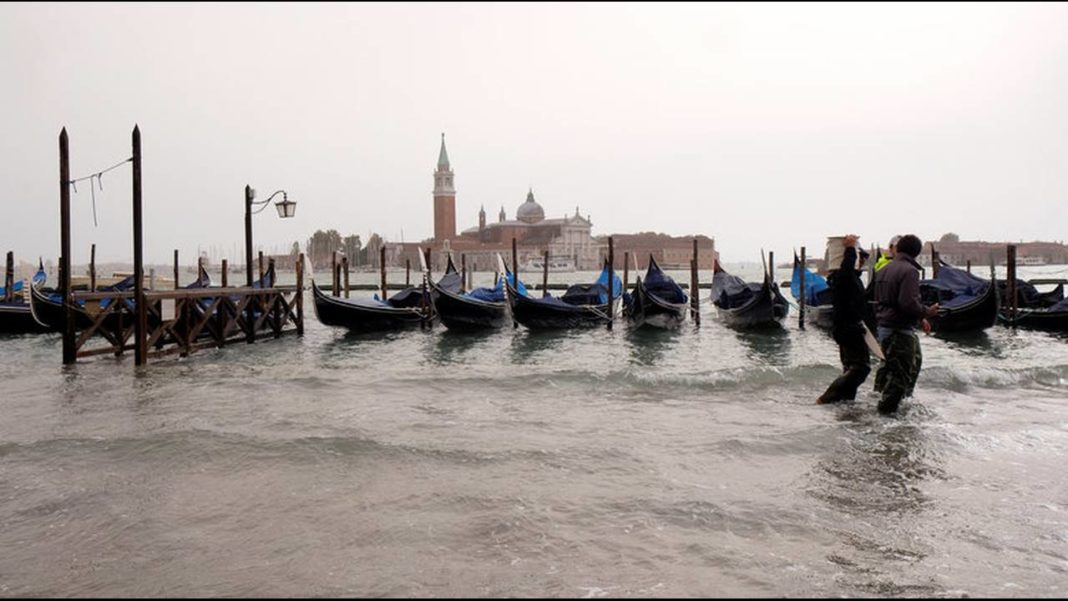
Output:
(847, 292)
(897, 294)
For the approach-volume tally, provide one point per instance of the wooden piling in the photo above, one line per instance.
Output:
(141, 321)
(463, 273)
(9, 277)
(771, 267)
(260, 254)
(695, 287)
(382, 268)
(64, 249)
(969, 265)
(934, 261)
(407, 273)
(801, 301)
(300, 294)
(225, 270)
(545, 274)
(611, 278)
(92, 268)
(626, 269)
(1010, 276)
(515, 274)
(345, 268)
(176, 269)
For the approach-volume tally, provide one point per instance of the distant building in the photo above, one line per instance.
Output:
(955, 251)
(568, 239)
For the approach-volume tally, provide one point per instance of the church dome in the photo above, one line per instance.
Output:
(530, 211)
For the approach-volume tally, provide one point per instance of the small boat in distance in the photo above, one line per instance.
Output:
(556, 264)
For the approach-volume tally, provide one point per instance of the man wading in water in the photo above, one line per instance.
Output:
(847, 293)
(898, 311)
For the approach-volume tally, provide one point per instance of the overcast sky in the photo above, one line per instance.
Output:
(765, 126)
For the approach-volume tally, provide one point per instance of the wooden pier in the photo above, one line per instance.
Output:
(158, 323)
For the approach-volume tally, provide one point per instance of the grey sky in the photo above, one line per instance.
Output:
(769, 125)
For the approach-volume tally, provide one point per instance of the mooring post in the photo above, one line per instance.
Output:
(801, 301)
(333, 273)
(248, 238)
(9, 277)
(300, 295)
(64, 249)
(626, 270)
(545, 274)
(463, 273)
(969, 265)
(695, 286)
(92, 268)
(382, 269)
(611, 281)
(515, 274)
(200, 269)
(345, 267)
(176, 269)
(407, 273)
(276, 307)
(1010, 277)
(141, 321)
(262, 283)
(771, 267)
(225, 269)
(934, 261)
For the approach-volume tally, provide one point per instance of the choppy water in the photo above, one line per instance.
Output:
(579, 464)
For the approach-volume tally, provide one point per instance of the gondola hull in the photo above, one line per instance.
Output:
(537, 315)
(458, 312)
(976, 315)
(648, 310)
(1037, 319)
(17, 318)
(363, 317)
(767, 309)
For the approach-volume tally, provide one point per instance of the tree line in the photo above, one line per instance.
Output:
(323, 243)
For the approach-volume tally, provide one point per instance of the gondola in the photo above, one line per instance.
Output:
(819, 306)
(483, 308)
(747, 305)
(16, 316)
(1046, 311)
(967, 303)
(657, 301)
(581, 305)
(47, 307)
(405, 309)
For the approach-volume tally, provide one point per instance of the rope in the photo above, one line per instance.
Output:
(99, 182)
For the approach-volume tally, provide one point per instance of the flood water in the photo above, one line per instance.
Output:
(571, 464)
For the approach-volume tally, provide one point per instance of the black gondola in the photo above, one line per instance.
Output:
(967, 303)
(581, 305)
(1050, 319)
(480, 309)
(405, 309)
(747, 305)
(16, 316)
(657, 301)
(47, 307)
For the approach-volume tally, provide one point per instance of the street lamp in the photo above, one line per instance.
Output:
(286, 208)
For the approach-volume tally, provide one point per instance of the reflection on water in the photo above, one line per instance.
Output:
(527, 344)
(971, 343)
(772, 346)
(648, 345)
(454, 346)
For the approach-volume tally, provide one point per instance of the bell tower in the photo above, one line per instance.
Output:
(444, 198)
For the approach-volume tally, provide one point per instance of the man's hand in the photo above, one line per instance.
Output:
(932, 311)
(850, 240)
(926, 326)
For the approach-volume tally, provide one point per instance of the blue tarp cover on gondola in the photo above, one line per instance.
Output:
(730, 291)
(595, 293)
(817, 291)
(953, 287)
(660, 285)
(496, 294)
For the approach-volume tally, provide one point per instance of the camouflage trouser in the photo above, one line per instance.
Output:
(900, 371)
(880, 373)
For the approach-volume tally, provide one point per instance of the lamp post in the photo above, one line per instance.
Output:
(286, 208)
